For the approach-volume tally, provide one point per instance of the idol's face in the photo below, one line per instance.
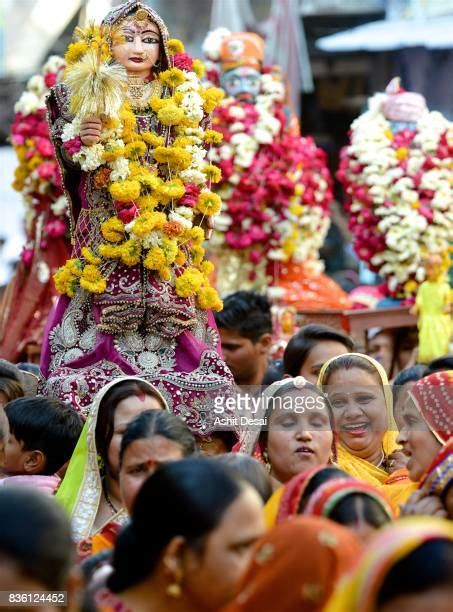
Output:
(138, 51)
(242, 83)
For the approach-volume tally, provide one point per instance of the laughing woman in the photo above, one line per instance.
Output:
(361, 400)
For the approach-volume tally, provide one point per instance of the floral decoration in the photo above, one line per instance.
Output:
(398, 187)
(37, 176)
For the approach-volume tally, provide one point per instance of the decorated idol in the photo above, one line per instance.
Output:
(275, 185)
(397, 174)
(129, 126)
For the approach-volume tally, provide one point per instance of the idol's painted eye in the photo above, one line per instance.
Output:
(151, 40)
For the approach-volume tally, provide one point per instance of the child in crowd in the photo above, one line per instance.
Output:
(43, 433)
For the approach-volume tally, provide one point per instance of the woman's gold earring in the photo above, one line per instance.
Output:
(174, 590)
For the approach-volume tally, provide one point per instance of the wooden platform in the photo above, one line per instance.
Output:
(357, 322)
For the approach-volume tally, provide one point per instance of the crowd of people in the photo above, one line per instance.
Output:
(162, 457)
(345, 507)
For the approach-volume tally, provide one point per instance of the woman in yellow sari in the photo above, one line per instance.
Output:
(361, 399)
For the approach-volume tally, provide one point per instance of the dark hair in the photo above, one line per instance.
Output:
(186, 498)
(4, 426)
(45, 424)
(355, 506)
(407, 375)
(324, 475)
(307, 337)
(158, 423)
(35, 534)
(11, 388)
(274, 372)
(31, 368)
(441, 364)
(249, 469)
(428, 566)
(349, 362)
(247, 313)
(107, 408)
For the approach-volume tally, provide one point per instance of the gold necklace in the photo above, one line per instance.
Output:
(140, 93)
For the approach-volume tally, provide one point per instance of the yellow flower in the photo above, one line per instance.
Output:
(90, 257)
(130, 252)
(109, 251)
(146, 202)
(199, 68)
(189, 283)
(176, 157)
(155, 259)
(207, 268)
(127, 118)
(213, 137)
(75, 52)
(170, 190)
(197, 253)
(213, 173)
(156, 103)
(149, 181)
(289, 246)
(92, 280)
(147, 222)
(164, 274)
(299, 190)
(209, 203)
(296, 209)
(388, 134)
(182, 141)
(196, 234)
(402, 153)
(208, 299)
(174, 45)
(113, 230)
(125, 191)
(135, 149)
(172, 77)
(170, 115)
(153, 139)
(111, 153)
(211, 96)
(170, 249)
(180, 258)
(67, 277)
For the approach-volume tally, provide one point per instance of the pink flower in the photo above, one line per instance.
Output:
(27, 256)
(18, 139)
(72, 146)
(44, 147)
(255, 257)
(50, 79)
(46, 170)
(183, 61)
(191, 195)
(128, 214)
(55, 228)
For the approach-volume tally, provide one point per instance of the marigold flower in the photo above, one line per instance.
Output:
(101, 177)
(172, 77)
(125, 191)
(155, 259)
(173, 229)
(189, 283)
(209, 203)
(90, 257)
(170, 115)
(208, 299)
(213, 137)
(135, 149)
(174, 45)
(113, 230)
(199, 68)
(213, 173)
(75, 52)
(153, 139)
(92, 280)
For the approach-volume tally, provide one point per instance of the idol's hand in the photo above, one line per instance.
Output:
(90, 131)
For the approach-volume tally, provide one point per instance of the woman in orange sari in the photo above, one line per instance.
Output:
(283, 577)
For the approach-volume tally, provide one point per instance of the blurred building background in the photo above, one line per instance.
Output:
(336, 53)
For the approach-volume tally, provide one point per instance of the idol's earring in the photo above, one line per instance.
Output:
(157, 65)
(174, 590)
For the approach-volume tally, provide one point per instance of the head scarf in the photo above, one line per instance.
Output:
(121, 12)
(359, 591)
(389, 440)
(81, 489)
(439, 475)
(296, 566)
(249, 438)
(326, 497)
(294, 490)
(433, 396)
